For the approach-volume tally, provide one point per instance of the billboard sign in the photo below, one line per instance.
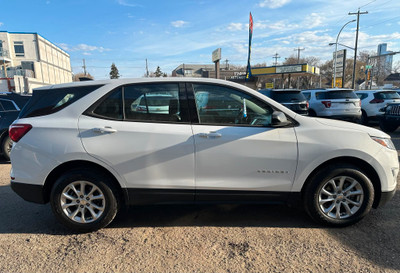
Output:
(216, 55)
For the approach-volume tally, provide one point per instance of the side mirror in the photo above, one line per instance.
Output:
(279, 119)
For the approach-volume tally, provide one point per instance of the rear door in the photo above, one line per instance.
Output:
(151, 150)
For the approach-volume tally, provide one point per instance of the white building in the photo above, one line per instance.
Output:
(27, 61)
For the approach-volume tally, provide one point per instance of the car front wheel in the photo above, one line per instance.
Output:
(84, 201)
(339, 196)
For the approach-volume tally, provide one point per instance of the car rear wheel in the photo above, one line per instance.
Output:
(339, 196)
(387, 126)
(364, 118)
(84, 201)
(6, 147)
(312, 113)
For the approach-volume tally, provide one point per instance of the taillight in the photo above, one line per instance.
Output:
(17, 131)
(377, 101)
(359, 103)
(327, 103)
(308, 105)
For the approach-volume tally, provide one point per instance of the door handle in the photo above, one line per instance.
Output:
(211, 134)
(104, 130)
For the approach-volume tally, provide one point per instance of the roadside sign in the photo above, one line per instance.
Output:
(269, 85)
(368, 66)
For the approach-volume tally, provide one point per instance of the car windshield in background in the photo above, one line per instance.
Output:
(339, 94)
(387, 95)
(287, 96)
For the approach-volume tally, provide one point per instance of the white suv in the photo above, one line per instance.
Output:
(338, 103)
(86, 150)
(372, 101)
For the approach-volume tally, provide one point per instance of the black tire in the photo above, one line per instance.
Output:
(387, 126)
(6, 146)
(334, 213)
(311, 113)
(364, 118)
(106, 200)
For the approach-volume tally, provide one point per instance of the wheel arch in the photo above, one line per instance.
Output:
(357, 162)
(81, 164)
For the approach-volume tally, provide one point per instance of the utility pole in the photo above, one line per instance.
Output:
(147, 69)
(358, 13)
(298, 53)
(298, 61)
(84, 67)
(226, 64)
(276, 57)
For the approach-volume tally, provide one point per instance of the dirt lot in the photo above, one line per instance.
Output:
(196, 239)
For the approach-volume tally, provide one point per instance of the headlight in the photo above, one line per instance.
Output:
(386, 142)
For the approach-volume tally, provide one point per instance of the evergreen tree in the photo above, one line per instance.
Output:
(158, 72)
(114, 74)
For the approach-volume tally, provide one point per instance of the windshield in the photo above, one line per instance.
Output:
(287, 96)
(337, 94)
(386, 95)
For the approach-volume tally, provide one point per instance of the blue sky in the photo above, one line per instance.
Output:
(169, 33)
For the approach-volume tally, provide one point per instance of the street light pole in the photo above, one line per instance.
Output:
(334, 61)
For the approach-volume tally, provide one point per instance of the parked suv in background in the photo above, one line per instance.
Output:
(86, 150)
(372, 101)
(337, 103)
(389, 121)
(291, 98)
(10, 106)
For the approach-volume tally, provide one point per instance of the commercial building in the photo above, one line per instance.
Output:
(27, 61)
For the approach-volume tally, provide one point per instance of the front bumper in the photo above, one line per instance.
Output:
(386, 197)
(29, 192)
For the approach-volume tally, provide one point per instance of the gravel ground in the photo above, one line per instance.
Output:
(223, 238)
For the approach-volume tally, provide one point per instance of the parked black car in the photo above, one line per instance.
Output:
(10, 106)
(390, 120)
(291, 98)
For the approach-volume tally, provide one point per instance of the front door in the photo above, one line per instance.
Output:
(237, 149)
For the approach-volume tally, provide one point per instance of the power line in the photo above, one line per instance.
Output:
(367, 4)
(276, 57)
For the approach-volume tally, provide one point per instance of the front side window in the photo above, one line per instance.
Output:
(226, 106)
(19, 49)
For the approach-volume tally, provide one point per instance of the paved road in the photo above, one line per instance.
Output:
(224, 238)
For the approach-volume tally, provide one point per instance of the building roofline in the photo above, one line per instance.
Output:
(34, 33)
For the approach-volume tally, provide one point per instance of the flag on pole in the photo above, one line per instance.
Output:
(248, 70)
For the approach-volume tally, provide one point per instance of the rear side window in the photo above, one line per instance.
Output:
(8, 105)
(141, 102)
(386, 95)
(340, 94)
(287, 96)
(362, 95)
(49, 101)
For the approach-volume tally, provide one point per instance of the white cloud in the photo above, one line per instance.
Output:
(83, 47)
(273, 4)
(179, 23)
(314, 20)
(235, 26)
(128, 3)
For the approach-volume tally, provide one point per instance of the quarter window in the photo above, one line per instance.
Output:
(221, 105)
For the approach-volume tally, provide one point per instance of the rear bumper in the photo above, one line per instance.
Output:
(29, 192)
